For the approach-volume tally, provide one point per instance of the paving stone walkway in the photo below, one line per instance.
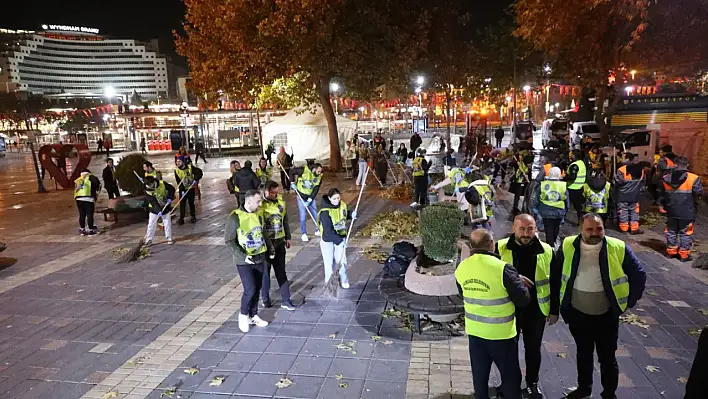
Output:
(73, 323)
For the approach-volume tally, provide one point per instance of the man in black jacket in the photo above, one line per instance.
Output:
(532, 259)
(416, 142)
(109, 179)
(246, 179)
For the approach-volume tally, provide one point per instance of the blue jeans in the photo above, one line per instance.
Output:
(334, 256)
(302, 212)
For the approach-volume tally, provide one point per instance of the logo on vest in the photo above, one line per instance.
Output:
(473, 281)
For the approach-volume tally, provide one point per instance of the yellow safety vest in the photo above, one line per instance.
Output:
(542, 276)
(264, 175)
(596, 202)
(338, 216)
(82, 187)
(273, 213)
(553, 193)
(580, 177)
(521, 171)
(160, 194)
(186, 176)
(418, 167)
(153, 174)
(487, 196)
(457, 177)
(250, 232)
(489, 311)
(307, 181)
(615, 258)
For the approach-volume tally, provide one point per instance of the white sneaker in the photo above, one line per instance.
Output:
(305, 238)
(148, 243)
(345, 285)
(317, 233)
(243, 323)
(170, 241)
(413, 205)
(258, 322)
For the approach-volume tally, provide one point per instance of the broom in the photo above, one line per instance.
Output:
(332, 285)
(300, 197)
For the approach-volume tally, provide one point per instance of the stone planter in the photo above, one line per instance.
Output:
(127, 202)
(424, 284)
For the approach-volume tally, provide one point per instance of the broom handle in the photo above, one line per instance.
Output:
(356, 208)
(178, 201)
(390, 169)
(300, 197)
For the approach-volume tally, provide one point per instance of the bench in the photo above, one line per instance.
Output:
(111, 215)
(394, 291)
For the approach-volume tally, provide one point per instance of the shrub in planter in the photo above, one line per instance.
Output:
(440, 228)
(125, 174)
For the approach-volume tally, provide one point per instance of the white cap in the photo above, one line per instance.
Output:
(554, 173)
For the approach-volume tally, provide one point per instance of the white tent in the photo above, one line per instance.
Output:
(306, 133)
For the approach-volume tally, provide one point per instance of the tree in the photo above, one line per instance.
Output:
(288, 93)
(238, 45)
(588, 39)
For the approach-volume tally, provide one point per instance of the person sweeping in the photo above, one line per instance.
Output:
(160, 195)
(187, 177)
(86, 189)
(332, 220)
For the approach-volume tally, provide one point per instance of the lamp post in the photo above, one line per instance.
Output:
(334, 88)
(30, 137)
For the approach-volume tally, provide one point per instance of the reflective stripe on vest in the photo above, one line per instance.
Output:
(542, 275)
(338, 216)
(615, 258)
(521, 171)
(307, 182)
(418, 167)
(457, 177)
(596, 202)
(580, 177)
(487, 196)
(250, 232)
(82, 187)
(553, 193)
(489, 312)
(273, 213)
(264, 175)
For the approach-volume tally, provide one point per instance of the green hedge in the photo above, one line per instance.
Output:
(440, 228)
(125, 173)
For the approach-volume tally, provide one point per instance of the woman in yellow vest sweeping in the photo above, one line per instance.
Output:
(86, 189)
(244, 238)
(332, 220)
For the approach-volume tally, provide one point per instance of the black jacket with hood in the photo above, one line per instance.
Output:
(683, 191)
(328, 232)
(245, 179)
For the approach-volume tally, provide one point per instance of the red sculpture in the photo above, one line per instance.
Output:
(63, 153)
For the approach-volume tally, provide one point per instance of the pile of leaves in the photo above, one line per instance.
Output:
(392, 226)
(144, 253)
(118, 252)
(373, 253)
(651, 219)
(401, 192)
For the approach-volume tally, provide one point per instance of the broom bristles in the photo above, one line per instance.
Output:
(332, 286)
(133, 253)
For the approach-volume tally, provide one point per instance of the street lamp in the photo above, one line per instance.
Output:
(633, 72)
(420, 80)
(334, 88)
(628, 89)
(419, 92)
(109, 92)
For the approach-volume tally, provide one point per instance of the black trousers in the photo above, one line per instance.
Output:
(251, 279)
(278, 266)
(420, 189)
(697, 384)
(577, 199)
(284, 179)
(595, 333)
(504, 353)
(199, 154)
(552, 228)
(86, 209)
(189, 199)
(112, 191)
(530, 323)
(499, 142)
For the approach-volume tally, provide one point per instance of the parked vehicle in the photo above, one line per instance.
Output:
(580, 130)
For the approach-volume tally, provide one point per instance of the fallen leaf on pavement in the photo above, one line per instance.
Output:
(217, 381)
(562, 354)
(694, 332)
(652, 293)
(112, 394)
(387, 342)
(682, 380)
(343, 385)
(652, 369)
(154, 285)
(703, 311)
(339, 376)
(168, 393)
(80, 290)
(191, 371)
(666, 269)
(375, 338)
(634, 320)
(283, 383)
(332, 336)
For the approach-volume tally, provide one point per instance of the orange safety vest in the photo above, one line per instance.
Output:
(547, 168)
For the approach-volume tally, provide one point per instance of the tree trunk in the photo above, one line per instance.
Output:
(260, 132)
(335, 153)
(448, 100)
(601, 94)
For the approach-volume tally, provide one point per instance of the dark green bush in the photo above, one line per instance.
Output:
(125, 174)
(440, 227)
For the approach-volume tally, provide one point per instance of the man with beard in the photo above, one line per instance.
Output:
(599, 279)
(532, 259)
